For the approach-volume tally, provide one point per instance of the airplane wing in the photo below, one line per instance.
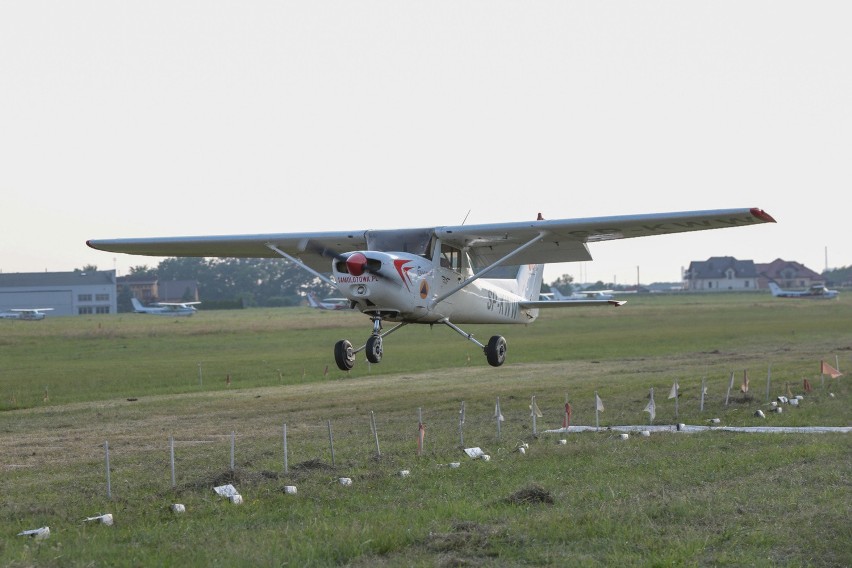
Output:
(309, 247)
(565, 240)
(562, 240)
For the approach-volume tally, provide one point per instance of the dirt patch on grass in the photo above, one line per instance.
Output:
(532, 494)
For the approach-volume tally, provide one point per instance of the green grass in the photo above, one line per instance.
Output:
(709, 499)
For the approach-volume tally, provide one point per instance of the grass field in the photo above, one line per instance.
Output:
(68, 385)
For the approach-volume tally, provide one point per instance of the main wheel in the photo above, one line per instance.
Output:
(495, 351)
(374, 349)
(344, 355)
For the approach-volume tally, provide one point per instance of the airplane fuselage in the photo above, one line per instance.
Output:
(403, 287)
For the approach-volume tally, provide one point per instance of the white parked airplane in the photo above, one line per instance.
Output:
(30, 314)
(816, 291)
(582, 295)
(328, 303)
(165, 308)
(438, 274)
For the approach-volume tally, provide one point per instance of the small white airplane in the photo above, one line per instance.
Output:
(30, 314)
(816, 291)
(581, 295)
(437, 275)
(328, 303)
(165, 308)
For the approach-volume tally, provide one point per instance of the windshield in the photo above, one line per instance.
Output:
(414, 241)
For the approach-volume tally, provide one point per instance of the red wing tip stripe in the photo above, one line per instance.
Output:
(762, 215)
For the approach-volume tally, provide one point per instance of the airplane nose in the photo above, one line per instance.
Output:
(356, 264)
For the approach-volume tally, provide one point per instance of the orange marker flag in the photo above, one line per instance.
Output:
(566, 421)
(826, 369)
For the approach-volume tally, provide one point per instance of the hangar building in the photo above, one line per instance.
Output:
(68, 293)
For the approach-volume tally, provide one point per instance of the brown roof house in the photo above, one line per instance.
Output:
(788, 274)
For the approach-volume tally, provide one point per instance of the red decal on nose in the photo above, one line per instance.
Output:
(403, 270)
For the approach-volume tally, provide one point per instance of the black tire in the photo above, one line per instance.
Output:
(495, 351)
(374, 349)
(344, 355)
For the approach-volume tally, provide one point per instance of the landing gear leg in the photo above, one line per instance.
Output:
(495, 351)
(344, 353)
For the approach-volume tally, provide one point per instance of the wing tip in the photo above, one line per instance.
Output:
(762, 215)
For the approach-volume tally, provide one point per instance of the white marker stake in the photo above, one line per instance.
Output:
(375, 432)
(233, 443)
(286, 469)
(331, 443)
(532, 408)
(768, 381)
(730, 386)
(172, 458)
(109, 484)
(499, 417)
(461, 425)
(597, 413)
(703, 388)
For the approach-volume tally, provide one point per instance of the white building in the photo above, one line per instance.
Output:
(67, 293)
(721, 273)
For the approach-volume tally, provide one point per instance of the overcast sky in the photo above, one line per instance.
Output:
(138, 119)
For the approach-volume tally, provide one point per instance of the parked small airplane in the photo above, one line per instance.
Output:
(816, 291)
(165, 308)
(328, 303)
(581, 295)
(31, 314)
(437, 275)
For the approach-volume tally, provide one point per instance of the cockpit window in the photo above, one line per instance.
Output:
(451, 257)
(413, 241)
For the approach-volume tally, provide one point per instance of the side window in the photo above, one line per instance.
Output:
(450, 257)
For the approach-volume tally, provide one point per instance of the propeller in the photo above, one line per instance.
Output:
(356, 263)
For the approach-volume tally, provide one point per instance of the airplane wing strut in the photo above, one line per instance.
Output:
(301, 264)
(488, 269)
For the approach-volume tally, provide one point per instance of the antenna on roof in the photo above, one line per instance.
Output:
(465, 217)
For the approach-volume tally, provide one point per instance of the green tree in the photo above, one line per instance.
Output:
(565, 284)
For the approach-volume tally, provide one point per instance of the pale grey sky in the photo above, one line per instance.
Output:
(135, 119)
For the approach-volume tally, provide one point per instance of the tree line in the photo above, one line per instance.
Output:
(238, 282)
